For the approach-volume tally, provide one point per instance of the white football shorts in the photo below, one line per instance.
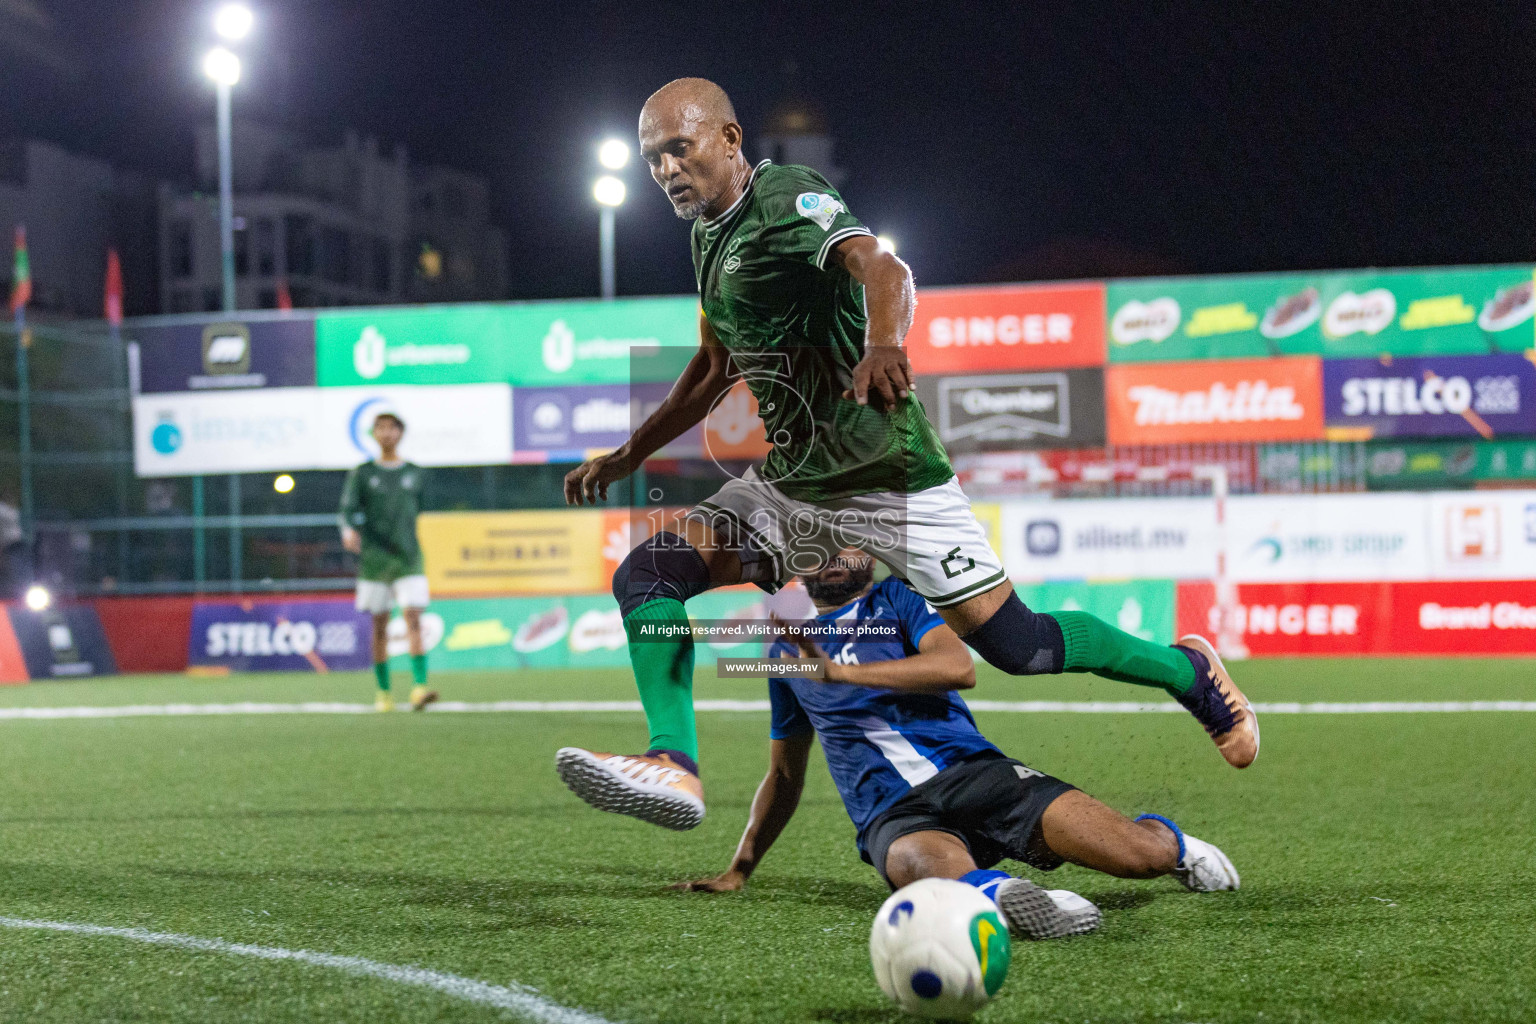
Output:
(377, 598)
(928, 538)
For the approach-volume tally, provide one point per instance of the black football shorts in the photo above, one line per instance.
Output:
(991, 803)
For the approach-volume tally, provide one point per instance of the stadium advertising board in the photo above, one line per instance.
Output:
(1142, 608)
(1225, 400)
(13, 668)
(1148, 538)
(62, 642)
(564, 424)
(531, 344)
(312, 428)
(1473, 396)
(280, 636)
(1443, 617)
(448, 425)
(568, 631)
(228, 432)
(1015, 327)
(476, 553)
(1482, 535)
(1052, 409)
(1440, 463)
(1274, 538)
(223, 354)
(1462, 310)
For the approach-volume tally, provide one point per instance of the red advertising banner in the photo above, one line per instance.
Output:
(1482, 617)
(1479, 618)
(13, 668)
(1013, 327)
(1220, 400)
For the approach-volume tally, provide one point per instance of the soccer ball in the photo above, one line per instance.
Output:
(939, 949)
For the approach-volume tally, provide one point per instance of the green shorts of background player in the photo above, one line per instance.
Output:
(379, 506)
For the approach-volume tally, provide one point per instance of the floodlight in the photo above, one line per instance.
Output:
(608, 190)
(222, 66)
(233, 21)
(38, 598)
(613, 154)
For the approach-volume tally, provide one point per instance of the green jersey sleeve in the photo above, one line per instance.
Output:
(804, 215)
(350, 514)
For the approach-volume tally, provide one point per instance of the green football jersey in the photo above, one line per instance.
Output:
(794, 326)
(381, 503)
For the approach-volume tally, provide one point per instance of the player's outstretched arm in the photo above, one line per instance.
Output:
(705, 378)
(891, 300)
(942, 663)
(772, 807)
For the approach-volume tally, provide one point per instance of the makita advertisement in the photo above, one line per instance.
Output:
(1221, 400)
(1469, 396)
(280, 636)
(1008, 412)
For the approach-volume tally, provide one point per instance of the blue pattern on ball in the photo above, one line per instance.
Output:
(927, 984)
(904, 907)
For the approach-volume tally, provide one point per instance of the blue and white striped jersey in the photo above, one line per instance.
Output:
(878, 743)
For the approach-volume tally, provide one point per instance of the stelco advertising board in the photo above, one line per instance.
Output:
(1461, 310)
(1467, 396)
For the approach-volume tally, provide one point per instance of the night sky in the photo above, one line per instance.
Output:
(1003, 142)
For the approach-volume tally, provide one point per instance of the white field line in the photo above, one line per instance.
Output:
(519, 999)
(540, 707)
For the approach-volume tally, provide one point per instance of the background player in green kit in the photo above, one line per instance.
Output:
(379, 505)
(800, 302)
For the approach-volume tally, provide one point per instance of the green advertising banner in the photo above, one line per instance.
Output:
(582, 631)
(1459, 310)
(525, 344)
(1142, 608)
(1394, 465)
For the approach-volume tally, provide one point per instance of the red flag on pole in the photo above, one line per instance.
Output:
(284, 300)
(113, 300)
(21, 278)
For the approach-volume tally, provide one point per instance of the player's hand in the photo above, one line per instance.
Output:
(352, 541)
(587, 484)
(884, 372)
(730, 881)
(818, 665)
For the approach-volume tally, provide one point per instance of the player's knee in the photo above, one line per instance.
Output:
(662, 566)
(1019, 641)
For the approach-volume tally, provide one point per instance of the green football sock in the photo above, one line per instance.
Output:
(419, 669)
(664, 673)
(1093, 645)
(381, 674)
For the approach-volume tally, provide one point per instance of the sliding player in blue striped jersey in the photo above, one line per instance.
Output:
(928, 794)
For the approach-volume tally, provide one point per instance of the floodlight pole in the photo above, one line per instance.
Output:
(605, 251)
(226, 199)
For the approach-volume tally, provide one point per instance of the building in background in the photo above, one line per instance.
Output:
(343, 226)
(796, 132)
(457, 256)
(75, 209)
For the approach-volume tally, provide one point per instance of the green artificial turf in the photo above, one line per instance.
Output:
(1386, 859)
